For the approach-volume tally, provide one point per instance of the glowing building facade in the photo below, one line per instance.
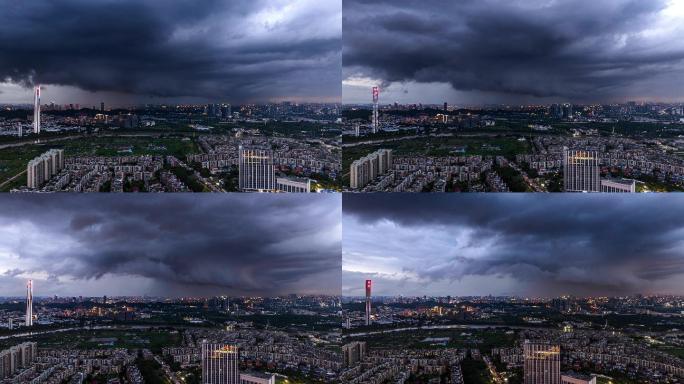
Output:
(220, 363)
(581, 171)
(256, 171)
(541, 363)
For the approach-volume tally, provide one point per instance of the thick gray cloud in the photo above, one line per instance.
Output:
(515, 244)
(498, 50)
(235, 51)
(171, 245)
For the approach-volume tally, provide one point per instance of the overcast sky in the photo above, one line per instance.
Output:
(513, 244)
(126, 52)
(471, 52)
(172, 245)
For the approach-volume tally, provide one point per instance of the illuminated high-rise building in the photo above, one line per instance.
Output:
(369, 284)
(567, 111)
(36, 110)
(226, 111)
(256, 171)
(220, 363)
(29, 304)
(581, 171)
(541, 362)
(376, 96)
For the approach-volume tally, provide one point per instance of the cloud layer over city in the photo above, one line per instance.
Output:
(236, 51)
(491, 51)
(513, 244)
(177, 245)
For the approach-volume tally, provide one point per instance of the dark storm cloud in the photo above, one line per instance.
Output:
(579, 50)
(227, 50)
(582, 244)
(184, 245)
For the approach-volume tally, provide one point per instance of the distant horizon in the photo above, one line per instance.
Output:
(97, 107)
(284, 295)
(466, 106)
(362, 100)
(27, 100)
(511, 296)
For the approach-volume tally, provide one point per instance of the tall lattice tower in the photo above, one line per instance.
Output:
(368, 301)
(36, 110)
(29, 304)
(376, 95)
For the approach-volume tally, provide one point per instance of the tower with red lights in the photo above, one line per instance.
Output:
(36, 110)
(376, 96)
(368, 301)
(28, 321)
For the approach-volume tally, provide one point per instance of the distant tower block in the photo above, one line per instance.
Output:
(357, 129)
(29, 304)
(376, 96)
(36, 110)
(369, 283)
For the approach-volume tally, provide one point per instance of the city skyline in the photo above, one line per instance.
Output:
(497, 52)
(154, 52)
(170, 246)
(512, 245)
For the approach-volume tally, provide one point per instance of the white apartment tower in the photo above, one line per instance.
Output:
(15, 358)
(367, 168)
(43, 167)
(353, 353)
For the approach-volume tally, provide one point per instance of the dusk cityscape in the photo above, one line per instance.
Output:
(469, 290)
(495, 96)
(238, 96)
(132, 291)
(341, 191)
